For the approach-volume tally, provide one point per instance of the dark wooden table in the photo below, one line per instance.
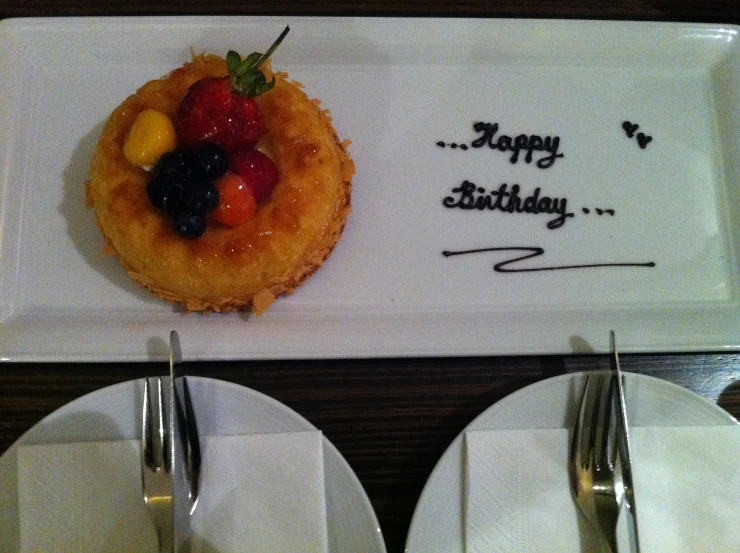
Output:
(390, 418)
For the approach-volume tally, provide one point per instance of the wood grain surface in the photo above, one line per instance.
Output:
(390, 418)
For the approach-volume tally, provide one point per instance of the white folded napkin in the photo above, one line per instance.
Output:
(258, 493)
(686, 479)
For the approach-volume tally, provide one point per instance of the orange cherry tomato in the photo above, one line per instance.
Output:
(236, 201)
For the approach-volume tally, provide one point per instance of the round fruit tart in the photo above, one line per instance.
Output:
(222, 185)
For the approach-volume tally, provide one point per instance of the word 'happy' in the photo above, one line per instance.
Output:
(521, 143)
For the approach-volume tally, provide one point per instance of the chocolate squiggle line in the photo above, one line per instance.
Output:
(536, 252)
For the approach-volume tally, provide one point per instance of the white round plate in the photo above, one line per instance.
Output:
(437, 525)
(223, 409)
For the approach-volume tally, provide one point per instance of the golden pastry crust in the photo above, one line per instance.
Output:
(227, 269)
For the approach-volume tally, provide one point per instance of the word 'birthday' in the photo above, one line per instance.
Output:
(470, 196)
(518, 144)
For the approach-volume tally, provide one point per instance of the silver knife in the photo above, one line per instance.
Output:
(184, 448)
(623, 446)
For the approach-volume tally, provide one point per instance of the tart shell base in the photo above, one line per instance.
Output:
(227, 269)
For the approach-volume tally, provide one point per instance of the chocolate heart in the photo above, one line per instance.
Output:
(629, 128)
(643, 140)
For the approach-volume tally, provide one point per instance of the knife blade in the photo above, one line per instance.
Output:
(184, 448)
(623, 447)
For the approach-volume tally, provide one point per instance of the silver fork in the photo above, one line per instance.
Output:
(156, 473)
(593, 459)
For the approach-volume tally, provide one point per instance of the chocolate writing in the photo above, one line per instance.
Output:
(518, 144)
(642, 139)
(529, 253)
(470, 196)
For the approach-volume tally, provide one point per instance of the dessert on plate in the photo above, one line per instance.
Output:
(221, 185)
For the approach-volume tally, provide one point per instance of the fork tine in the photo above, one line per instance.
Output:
(604, 444)
(155, 434)
(147, 454)
(598, 419)
(587, 433)
(163, 457)
(578, 446)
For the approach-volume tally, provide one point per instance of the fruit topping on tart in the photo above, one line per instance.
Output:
(217, 125)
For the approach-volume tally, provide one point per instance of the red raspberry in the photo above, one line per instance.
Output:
(259, 172)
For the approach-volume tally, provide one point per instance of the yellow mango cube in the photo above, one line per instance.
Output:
(152, 135)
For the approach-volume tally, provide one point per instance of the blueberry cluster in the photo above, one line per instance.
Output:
(182, 185)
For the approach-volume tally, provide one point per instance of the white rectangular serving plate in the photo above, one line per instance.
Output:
(397, 88)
